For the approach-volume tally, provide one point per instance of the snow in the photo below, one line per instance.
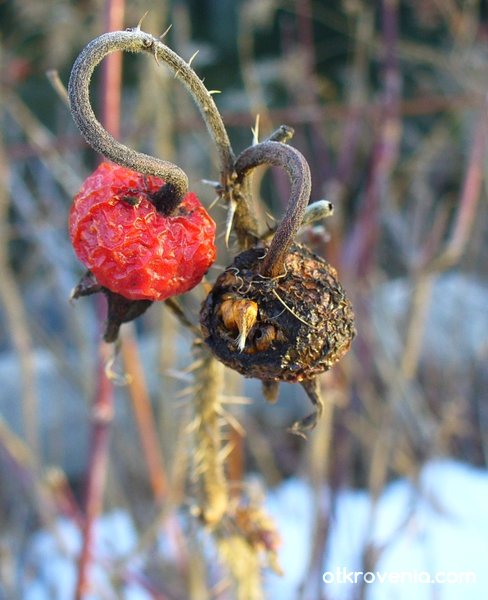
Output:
(453, 293)
(52, 558)
(435, 526)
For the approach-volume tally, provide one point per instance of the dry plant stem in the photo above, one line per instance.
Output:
(103, 404)
(58, 86)
(386, 148)
(43, 142)
(208, 458)
(102, 413)
(11, 300)
(463, 224)
(294, 163)
(357, 92)
(143, 413)
(112, 72)
(48, 500)
(318, 461)
(22, 461)
(249, 72)
(469, 200)
(135, 40)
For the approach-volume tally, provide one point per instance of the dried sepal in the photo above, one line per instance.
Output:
(120, 309)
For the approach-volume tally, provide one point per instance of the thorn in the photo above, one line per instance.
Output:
(186, 391)
(200, 469)
(225, 452)
(165, 33)
(255, 131)
(138, 26)
(217, 186)
(58, 85)
(194, 424)
(213, 203)
(270, 217)
(241, 400)
(214, 92)
(229, 220)
(196, 364)
(192, 57)
(230, 420)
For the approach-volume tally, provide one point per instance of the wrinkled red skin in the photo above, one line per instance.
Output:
(136, 251)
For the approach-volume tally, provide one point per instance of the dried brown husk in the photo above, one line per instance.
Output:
(304, 323)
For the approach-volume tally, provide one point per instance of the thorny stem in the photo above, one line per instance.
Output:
(208, 457)
(294, 163)
(135, 40)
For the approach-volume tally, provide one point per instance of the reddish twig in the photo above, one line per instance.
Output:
(144, 415)
(102, 409)
(102, 412)
(112, 71)
(469, 199)
(365, 235)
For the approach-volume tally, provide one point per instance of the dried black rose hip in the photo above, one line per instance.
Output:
(298, 325)
(278, 312)
(288, 328)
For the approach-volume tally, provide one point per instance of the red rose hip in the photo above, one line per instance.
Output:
(128, 242)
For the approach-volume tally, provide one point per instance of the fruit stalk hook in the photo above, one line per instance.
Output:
(280, 155)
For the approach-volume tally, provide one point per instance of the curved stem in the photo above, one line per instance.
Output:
(294, 163)
(135, 40)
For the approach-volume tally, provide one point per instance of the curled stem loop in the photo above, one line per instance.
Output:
(135, 40)
(294, 163)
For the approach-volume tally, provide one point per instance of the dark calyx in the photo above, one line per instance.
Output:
(166, 200)
(120, 309)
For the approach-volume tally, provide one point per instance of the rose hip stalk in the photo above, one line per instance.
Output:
(136, 227)
(138, 241)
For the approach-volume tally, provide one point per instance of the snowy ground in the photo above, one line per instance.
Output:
(431, 538)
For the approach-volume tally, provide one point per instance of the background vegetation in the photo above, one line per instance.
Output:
(388, 104)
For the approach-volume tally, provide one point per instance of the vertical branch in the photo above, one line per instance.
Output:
(309, 98)
(452, 252)
(245, 43)
(112, 71)
(16, 318)
(357, 98)
(209, 461)
(143, 413)
(103, 403)
(470, 196)
(101, 415)
(385, 151)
